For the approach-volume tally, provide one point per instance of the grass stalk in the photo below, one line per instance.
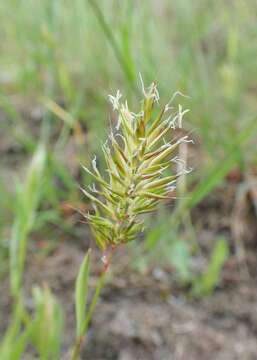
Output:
(81, 339)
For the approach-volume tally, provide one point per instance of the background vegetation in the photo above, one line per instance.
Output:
(59, 61)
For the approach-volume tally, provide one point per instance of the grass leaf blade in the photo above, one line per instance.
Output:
(81, 292)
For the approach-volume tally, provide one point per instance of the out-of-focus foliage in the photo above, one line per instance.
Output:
(42, 329)
(27, 197)
(206, 282)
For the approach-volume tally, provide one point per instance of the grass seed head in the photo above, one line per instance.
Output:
(136, 157)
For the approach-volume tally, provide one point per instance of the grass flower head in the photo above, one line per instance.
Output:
(137, 155)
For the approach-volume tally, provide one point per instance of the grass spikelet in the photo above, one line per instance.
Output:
(136, 157)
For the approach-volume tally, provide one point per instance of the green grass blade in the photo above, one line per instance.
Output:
(205, 284)
(125, 65)
(12, 331)
(100, 284)
(27, 203)
(48, 332)
(21, 343)
(81, 292)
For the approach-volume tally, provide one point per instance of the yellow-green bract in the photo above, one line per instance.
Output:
(136, 156)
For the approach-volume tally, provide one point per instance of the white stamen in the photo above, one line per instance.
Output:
(118, 123)
(176, 94)
(180, 115)
(124, 108)
(185, 139)
(167, 108)
(92, 188)
(151, 91)
(172, 124)
(115, 100)
(181, 166)
(142, 84)
(137, 115)
(94, 164)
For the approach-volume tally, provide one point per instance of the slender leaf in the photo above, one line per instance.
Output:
(81, 292)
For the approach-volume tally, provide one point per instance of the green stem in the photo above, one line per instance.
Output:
(79, 341)
(76, 349)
